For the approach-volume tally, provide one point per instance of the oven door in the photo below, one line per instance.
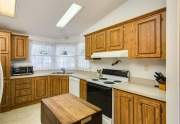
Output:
(100, 96)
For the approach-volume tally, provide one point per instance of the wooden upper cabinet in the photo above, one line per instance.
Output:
(148, 111)
(99, 41)
(123, 107)
(19, 47)
(41, 87)
(88, 47)
(5, 61)
(148, 36)
(4, 42)
(115, 38)
(129, 39)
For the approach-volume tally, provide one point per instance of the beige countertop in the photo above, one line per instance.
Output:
(139, 86)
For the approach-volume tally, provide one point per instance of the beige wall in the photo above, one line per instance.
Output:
(172, 62)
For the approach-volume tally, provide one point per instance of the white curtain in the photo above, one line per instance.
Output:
(49, 56)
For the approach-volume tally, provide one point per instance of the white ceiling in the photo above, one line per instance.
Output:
(39, 17)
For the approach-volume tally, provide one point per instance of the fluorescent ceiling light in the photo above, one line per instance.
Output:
(7, 7)
(70, 13)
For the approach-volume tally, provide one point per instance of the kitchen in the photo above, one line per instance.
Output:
(110, 61)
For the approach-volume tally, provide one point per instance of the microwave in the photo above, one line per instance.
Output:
(22, 70)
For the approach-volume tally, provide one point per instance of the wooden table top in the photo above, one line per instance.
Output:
(70, 109)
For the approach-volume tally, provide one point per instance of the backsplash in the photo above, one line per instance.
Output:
(142, 68)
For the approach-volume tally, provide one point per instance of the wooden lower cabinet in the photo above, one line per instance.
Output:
(41, 87)
(83, 89)
(148, 111)
(6, 99)
(59, 85)
(22, 92)
(133, 109)
(123, 108)
(64, 84)
(5, 62)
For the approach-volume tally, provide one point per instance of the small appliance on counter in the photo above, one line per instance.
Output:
(22, 70)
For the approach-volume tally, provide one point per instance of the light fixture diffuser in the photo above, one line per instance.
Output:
(7, 7)
(70, 13)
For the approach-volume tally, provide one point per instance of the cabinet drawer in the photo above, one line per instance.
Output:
(22, 81)
(24, 86)
(23, 99)
(23, 92)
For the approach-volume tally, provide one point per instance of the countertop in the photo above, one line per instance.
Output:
(139, 86)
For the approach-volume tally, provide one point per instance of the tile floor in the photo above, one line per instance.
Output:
(25, 115)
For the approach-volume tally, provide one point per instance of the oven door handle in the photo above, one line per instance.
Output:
(98, 86)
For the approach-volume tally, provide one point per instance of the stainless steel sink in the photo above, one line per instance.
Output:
(59, 72)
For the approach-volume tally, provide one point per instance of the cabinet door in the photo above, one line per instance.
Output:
(115, 40)
(4, 42)
(6, 99)
(5, 61)
(64, 84)
(147, 111)
(88, 47)
(129, 39)
(55, 83)
(123, 107)
(19, 47)
(99, 41)
(148, 37)
(41, 87)
(83, 89)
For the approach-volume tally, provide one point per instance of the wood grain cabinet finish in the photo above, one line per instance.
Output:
(134, 109)
(129, 38)
(143, 37)
(115, 38)
(148, 111)
(148, 36)
(5, 61)
(5, 42)
(41, 87)
(55, 83)
(19, 47)
(99, 41)
(6, 99)
(83, 89)
(88, 47)
(22, 91)
(64, 84)
(59, 85)
(123, 108)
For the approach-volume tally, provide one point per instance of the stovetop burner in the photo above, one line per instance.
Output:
(109, 82)
(117, 81)
(95, 79)
(103, 78)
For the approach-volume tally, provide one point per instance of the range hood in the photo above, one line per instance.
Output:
(110, 54)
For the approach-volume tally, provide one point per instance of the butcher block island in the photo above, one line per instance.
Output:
(69, 109)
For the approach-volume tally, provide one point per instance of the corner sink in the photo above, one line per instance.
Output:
(62, 72)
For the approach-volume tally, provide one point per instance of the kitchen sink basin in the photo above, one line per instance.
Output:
(62, 73)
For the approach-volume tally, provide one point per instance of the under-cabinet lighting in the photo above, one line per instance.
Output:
(70, 13)
(7, 7)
